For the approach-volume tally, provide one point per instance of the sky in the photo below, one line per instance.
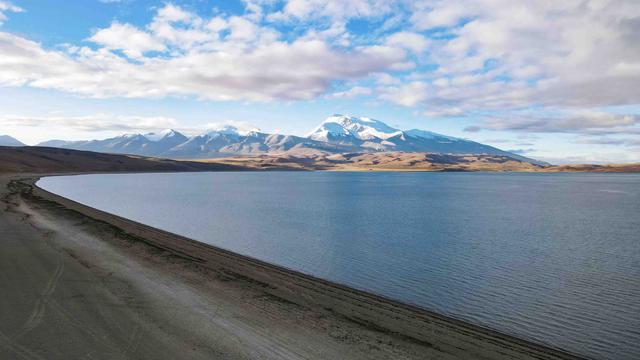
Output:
(553, 80)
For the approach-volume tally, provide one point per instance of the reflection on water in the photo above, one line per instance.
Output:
(553, 258)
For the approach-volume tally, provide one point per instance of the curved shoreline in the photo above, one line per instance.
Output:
(372, 311)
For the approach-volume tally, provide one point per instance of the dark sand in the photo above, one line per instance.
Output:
(78, 283)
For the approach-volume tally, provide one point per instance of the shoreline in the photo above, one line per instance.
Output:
(367, 309)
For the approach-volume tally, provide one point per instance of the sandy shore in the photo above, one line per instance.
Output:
(80, 283)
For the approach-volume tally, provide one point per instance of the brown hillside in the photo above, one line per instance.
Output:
(33, 159)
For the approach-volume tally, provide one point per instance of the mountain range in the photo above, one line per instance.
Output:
(6, 140)
(337, 134)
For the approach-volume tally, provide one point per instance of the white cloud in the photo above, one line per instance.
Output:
(91, 123)
(464, 93)
(249, 63)
(445, 112)
(431, 14)
(409, 40)
(336, 33)
(409, 94)
(467, 57)
(584, 122)
(386, 79)
(334, 9)
(351, 93)
(299, 70)
(182, 30)
(594, 157)
(173, 13)
(504, 55)
(6, 6)
(610, 141)
(242, 29)
(127, 38)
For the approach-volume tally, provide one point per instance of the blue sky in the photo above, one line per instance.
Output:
(559, 82)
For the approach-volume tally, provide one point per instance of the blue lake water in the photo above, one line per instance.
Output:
(553, 258)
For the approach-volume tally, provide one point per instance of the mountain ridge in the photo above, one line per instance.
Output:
(336, 134)
(6, 140)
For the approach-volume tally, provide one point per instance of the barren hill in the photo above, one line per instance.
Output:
(409, 161)
(35, 159)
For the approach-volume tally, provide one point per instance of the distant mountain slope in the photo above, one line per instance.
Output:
(34, 159)
(378, 136)
(608, 168)
(401, 161)
(337, 134)
(151, 144)
(222, 142)
(384, 161)
(6, 140)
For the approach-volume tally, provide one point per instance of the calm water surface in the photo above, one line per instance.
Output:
(553, 258)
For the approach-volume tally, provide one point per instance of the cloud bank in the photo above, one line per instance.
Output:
(92, 123)
(564, 64)
(181, 54)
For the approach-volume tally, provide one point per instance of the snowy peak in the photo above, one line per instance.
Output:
(361, 128)
(336, 134)
(228, 129)
(341, 127)
(164, 134)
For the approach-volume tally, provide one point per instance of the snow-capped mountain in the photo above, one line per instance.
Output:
(223, 141)
(227, 129)
(150, 144)
(164, 135)
(337, 134)
(6, 140)
(161, 141)
(375, 135)
(229, 141)
(341, 127)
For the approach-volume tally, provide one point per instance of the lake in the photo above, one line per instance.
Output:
(553, 258)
